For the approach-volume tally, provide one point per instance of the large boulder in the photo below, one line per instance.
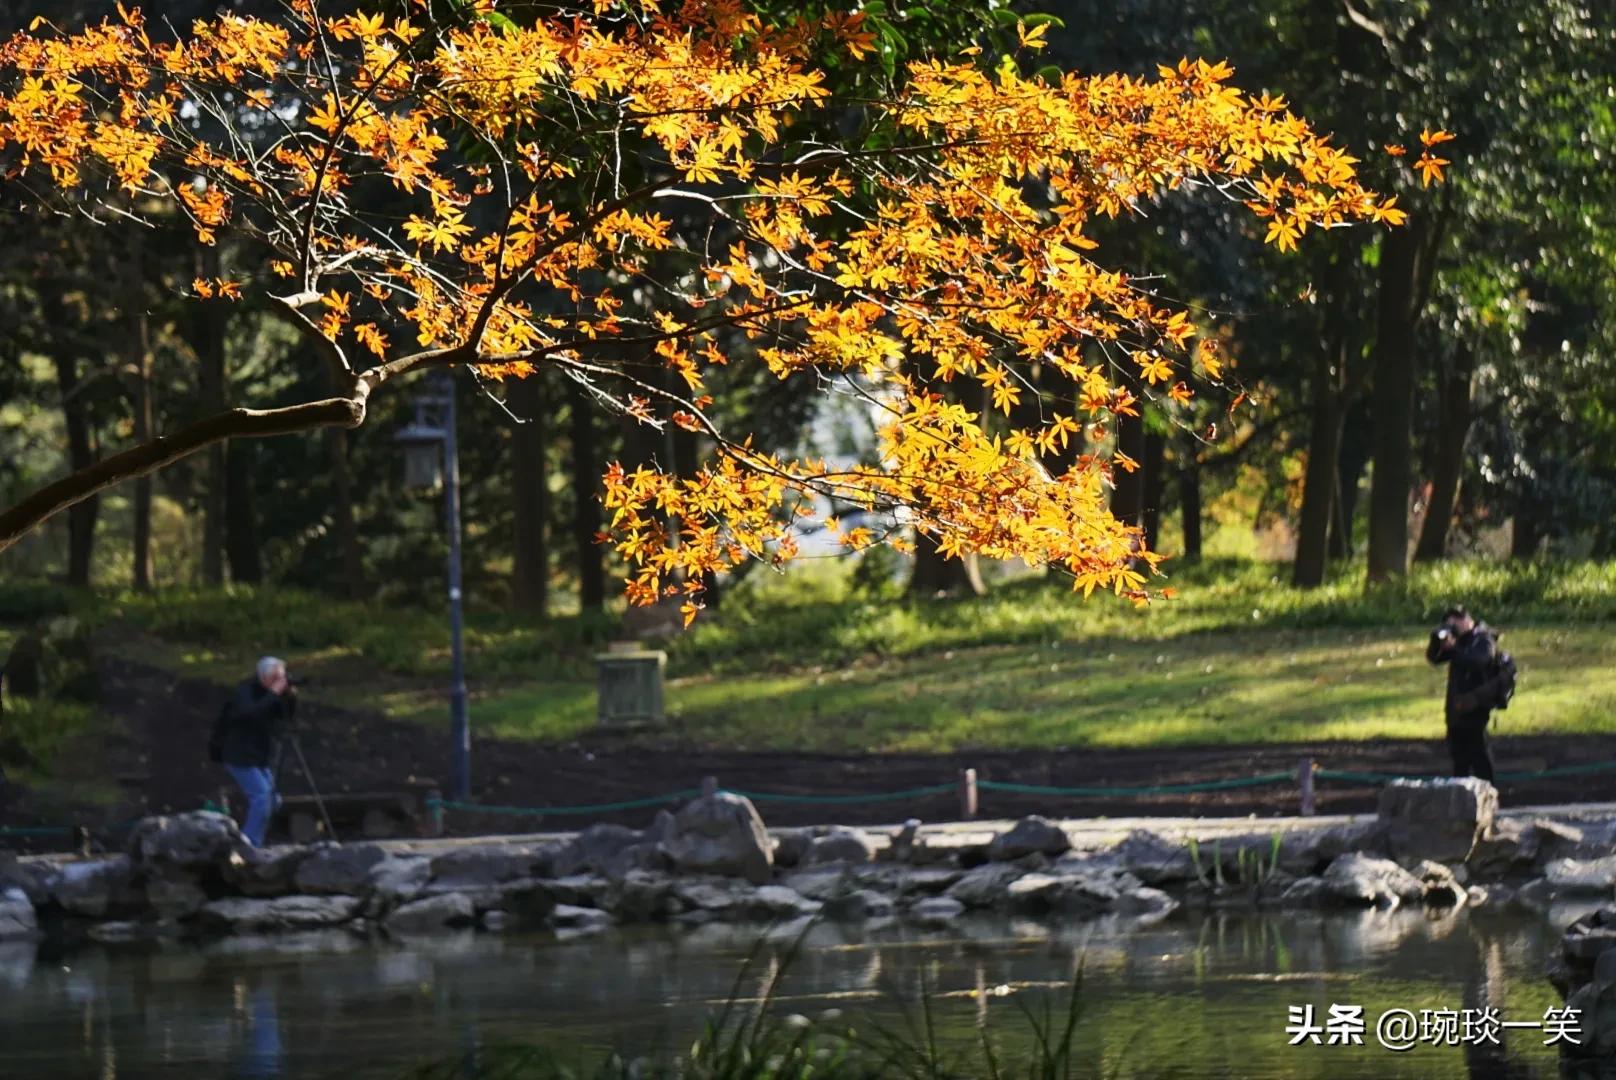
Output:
(492, 864)
(1153, 860)
(98, 888)
(338, 870)
(173, 893)
(839, 845)
(265, 872)
(1031, 835)
(431, 914)
(1585, 975)
(986, 886)
(16, 916)
(1508, 850)
(397, 880)
(612, 850)
(246, 915)
(779, 902)
(31, 878)
(1363, 880)
(1441, 820)
(790, 846)
(722, 834)
(1593, 877)
(197, 840)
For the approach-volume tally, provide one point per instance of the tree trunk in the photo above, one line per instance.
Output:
(1154, 488)
(586, 473)
(1526, 534)
(82, 517)
(1455, 399)
(1353, 454)
(208, 343)
(143, 432)
(1320, 483)
(241, 518)
(1395, 380)
(935, 573)
(530, 492)
(1189, 504)
(1128, 488)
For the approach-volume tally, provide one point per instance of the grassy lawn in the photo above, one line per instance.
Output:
(807, 662)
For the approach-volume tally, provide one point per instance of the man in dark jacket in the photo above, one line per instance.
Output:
(1468, 648)
(246, 739)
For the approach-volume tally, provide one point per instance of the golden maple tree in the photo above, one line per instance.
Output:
(625, 184)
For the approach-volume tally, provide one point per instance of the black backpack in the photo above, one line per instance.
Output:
(1503, 678)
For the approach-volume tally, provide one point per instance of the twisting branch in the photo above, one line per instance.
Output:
(16, 521)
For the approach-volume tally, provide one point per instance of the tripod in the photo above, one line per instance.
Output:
(303, 764)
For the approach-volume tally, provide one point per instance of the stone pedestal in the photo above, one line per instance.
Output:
(629, 683)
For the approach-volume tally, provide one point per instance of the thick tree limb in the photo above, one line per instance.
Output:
(17, 521)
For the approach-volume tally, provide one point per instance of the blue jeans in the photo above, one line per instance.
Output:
(258, 784)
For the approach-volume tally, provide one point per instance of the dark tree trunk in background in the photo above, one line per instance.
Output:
(1320, 483)
(1401, 272)
(586, 474)
(530, 490)
(343, 520)
(935, 573)
(241, 518)
(1189, 504)
(208, 342)
(1526, 533)
(1128, 491)
(143, 419)
(1154, 487)
(1455, 400)
(1356, 430)
(82, 517)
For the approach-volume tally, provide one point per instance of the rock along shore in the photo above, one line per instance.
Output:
(1438, 843)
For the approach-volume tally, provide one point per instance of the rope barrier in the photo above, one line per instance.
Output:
(887, 796)
(1160, 789)
(1345, 776)
(541, 811)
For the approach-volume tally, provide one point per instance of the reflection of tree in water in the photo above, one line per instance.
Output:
(1485, 988)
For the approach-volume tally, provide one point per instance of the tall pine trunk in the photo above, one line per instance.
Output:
(241, 517)
(1320, 482)
(1395, 379)
(1154, 487)
(208, 343)
(1128, 487)
(82, 453)
(586, 473)
(143, 421)
(1455, 399)
(530, 494)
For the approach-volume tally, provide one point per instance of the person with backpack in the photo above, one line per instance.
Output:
(1480, 679)
(245, 737)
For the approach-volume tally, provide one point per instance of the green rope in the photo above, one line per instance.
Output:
(1563, 770)
(888, 796)
(1362, 778)
(35, 830)
(1161, 789)
(541, 811)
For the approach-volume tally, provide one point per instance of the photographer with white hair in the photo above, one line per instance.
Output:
(245, 739)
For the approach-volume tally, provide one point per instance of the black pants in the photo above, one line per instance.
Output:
(1467, 743)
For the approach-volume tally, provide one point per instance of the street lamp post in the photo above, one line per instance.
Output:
(433, 431)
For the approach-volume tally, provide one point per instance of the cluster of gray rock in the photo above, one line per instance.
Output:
(1437, 843)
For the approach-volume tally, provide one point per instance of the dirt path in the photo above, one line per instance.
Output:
(165, 721)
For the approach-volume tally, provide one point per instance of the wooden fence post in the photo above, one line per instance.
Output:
(709, 786)
(1304, 784)
(967, 794)
(434, 813)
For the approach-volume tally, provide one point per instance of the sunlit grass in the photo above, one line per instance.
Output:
(805, 661)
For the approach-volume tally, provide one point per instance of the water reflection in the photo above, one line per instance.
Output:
(1187, 997)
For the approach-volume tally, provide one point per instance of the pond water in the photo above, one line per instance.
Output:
(1193, 996)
